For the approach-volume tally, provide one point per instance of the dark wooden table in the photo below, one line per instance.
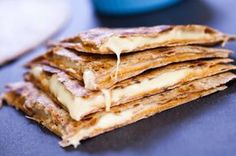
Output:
(204, 127)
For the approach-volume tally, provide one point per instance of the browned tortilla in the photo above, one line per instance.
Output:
(92, 41)
(39, 107)
(104, 67)
(199, 69)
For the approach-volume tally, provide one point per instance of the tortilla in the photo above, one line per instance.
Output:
(98, 71)
(25, 24)
(110, 41)
(80, 102)
(39, 107)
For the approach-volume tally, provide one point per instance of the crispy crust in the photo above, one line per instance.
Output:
(104, 67)
(39, 107)
(91, 40)
(201, 69)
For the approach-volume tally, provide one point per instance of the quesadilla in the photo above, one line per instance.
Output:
(80, 102)
(39, 107)
(98, 71)
(110, 41)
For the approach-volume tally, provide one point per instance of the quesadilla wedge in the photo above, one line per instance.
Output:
(98, 71)
(110, 41)
(117, 41)
(80, 102)
(39, 107)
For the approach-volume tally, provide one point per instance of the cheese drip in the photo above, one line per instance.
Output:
(115, 45)
(117, 64)
(107, 97)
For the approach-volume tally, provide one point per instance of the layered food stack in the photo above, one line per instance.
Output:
(104, 78)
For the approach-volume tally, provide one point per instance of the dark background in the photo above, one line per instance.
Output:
(204, 127)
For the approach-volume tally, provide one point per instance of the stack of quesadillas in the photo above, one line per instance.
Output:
(104, 78)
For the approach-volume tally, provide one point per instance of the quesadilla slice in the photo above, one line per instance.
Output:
(98, 71)
(39, 107)
(80, 102)
(110, 41)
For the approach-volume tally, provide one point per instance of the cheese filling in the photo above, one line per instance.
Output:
(79, 106)
(119, 44)
(105, 122)
(89, 79)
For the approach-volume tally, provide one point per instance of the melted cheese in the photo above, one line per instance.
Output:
(36, 71)
(78, 106)
(107, 97)
(120, 44)
(109, 120)
(116, 119)
(147, 85)
(115, 45)
(117, 63)
(89, 79)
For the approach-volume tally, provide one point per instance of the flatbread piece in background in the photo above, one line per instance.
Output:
(25, 24)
